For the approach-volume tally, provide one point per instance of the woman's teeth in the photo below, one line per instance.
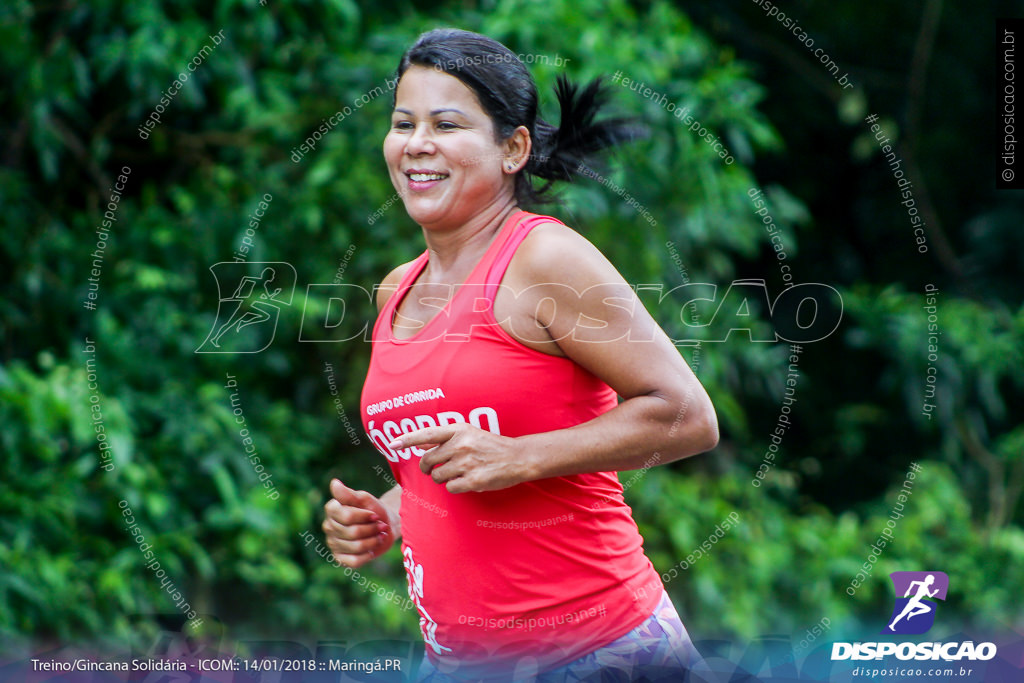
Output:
(423, 177)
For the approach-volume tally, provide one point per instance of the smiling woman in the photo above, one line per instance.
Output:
(515, 336)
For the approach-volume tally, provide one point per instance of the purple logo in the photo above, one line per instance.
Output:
(916, 592)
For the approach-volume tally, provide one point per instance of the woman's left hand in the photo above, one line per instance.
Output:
(466, 458)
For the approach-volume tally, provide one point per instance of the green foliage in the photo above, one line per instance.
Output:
(789, 562)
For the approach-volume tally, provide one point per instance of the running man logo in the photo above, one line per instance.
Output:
(247, 318)
(914, 612)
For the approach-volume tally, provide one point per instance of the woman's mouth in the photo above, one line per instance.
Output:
(424, 180)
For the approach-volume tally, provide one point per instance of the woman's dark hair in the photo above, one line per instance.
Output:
(508, 94)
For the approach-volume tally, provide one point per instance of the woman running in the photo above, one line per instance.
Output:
(497, 358)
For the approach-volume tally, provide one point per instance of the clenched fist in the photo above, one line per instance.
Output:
(357, 525)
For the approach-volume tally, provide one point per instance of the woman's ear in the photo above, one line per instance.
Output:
(517, 150)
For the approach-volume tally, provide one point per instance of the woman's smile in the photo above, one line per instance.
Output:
(422, 179)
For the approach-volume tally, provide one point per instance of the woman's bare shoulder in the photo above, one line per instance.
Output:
(554, 252)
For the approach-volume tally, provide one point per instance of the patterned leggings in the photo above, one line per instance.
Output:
(659, 649)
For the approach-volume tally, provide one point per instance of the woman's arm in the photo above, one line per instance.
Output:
(392, 502)
(359, 526)
(596, 319)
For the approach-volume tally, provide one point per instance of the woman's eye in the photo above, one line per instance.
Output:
(408, 125)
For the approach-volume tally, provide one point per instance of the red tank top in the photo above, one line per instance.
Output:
(551, 569)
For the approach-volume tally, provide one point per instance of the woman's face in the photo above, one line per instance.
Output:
(441, 153)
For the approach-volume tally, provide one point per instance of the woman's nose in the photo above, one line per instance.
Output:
(420, 142)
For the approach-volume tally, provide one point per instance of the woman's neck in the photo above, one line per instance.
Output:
(454, 253)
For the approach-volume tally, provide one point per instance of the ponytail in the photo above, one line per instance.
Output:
(562, 152)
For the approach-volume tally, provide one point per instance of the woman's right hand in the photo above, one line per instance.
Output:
(357, 526)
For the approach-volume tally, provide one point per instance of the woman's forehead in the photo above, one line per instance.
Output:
(432, 90)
